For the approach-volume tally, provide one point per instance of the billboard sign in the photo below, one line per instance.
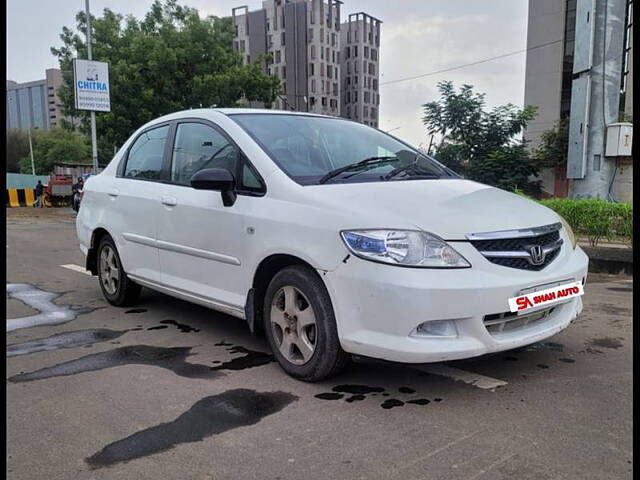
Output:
(91, 85)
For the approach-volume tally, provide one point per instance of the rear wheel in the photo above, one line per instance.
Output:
(116, 286)
(300, 325)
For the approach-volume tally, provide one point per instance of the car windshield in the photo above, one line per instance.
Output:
(314, 150)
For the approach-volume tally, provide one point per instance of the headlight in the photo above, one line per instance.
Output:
(569, 231)
(407, 248)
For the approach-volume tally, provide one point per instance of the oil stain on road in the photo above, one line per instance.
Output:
(77, 338)
(359, 393)
(207, 417)
(172, 358)
(249, 359)
(184, 328)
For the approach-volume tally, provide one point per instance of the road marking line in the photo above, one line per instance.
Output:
(475, 379)
(76, 268)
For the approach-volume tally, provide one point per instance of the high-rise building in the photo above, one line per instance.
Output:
(360, 38)
(35, 104)
(311, 49)
(579, 71)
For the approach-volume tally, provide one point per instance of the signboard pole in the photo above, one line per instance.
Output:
(94, 142)
(33, 164)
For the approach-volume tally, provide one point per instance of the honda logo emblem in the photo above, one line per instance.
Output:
(536, 255)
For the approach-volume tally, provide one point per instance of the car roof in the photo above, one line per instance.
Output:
(207, 112)
(232, 111)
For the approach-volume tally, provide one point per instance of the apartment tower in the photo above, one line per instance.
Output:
(360, 38)
(310, 50)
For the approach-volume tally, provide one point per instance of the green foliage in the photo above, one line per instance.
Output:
(17, 147)
(554, 145)
(479, 144)
(53, 146)
(595, 219)
(169, 61)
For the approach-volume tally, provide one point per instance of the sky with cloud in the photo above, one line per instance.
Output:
(417, 37)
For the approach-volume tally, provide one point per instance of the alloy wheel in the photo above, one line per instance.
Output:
(109, 270)
(293, 323)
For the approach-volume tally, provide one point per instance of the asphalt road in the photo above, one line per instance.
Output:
(175, 391)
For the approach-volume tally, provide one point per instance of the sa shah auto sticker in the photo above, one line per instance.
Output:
(546, 297)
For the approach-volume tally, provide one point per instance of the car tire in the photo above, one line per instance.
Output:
(300, 325)
(116, 286)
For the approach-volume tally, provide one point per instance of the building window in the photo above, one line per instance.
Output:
(312, 69)
(366, 52)
(282, 39)
(278, 56)
(311, 35)
(313, 52)
(313, 85)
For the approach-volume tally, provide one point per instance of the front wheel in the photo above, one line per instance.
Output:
(300, 325)
(116, 286)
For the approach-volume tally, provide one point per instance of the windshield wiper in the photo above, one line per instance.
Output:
(362, 163)
(411, 166)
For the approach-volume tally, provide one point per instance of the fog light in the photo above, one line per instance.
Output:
(436, 328)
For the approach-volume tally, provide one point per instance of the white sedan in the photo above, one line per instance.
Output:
(331, 237)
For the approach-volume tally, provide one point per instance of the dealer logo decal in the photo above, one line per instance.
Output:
(547, 296)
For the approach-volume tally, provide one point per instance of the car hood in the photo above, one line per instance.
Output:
(450, 208)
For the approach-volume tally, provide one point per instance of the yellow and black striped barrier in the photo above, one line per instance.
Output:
(21, 197)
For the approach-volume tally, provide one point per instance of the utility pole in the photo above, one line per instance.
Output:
(94, 142)
(33, 165)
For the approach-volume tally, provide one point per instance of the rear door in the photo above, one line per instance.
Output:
(201, 242)
(134, 198)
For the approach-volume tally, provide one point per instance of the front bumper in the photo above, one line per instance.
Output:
(377, 306)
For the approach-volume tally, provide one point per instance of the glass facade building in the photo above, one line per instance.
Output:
(34, 104)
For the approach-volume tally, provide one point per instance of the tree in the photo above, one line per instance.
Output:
(554, 145)
(17, 147)
(53, 146)
(481, 145)
(171, 60)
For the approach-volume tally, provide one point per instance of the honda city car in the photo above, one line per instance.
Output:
(330, 237)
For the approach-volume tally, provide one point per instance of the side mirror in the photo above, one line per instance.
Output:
(218, 179)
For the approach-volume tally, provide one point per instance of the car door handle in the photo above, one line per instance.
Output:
(114, 192)
(169, 201)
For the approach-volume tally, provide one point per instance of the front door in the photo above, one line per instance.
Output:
(200, 241)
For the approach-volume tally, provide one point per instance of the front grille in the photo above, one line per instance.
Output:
(515, 249)
(511, 244)
(524, 264)
(509, 321)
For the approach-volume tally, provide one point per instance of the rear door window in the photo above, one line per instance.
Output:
(144, 160)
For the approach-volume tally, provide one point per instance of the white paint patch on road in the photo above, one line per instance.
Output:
(475, 379)
(76, 268)
(50, 313)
